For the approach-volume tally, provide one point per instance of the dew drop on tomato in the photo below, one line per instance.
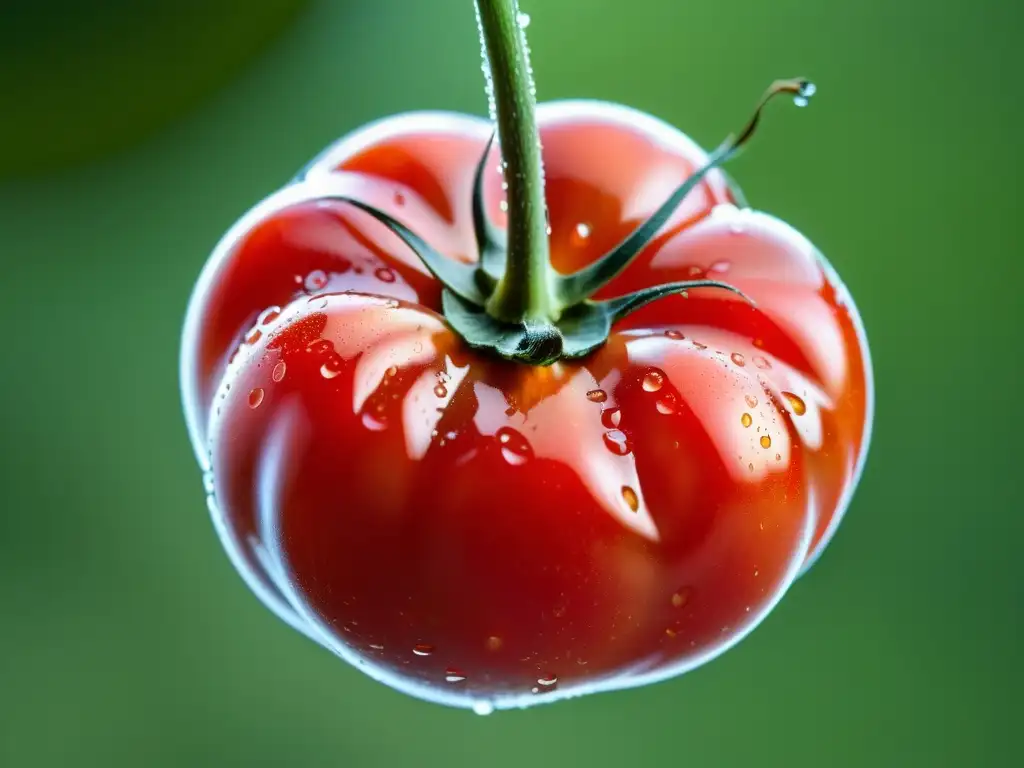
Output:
(630, 497)
(746, 420)
(597, 395)
(766, 442)
(422, 649)
(611, 417)
(653, 380)
(454, 675)
(674, 334)
(681, 597)
(581, 234)
(738, 359)
(330, 369)
(616, 441)
(256, 397)
(375, 422)
(316, 280)
(796, 403)
(750, 400)
(666, 405)
(385, 275)
(514, 447)
(269, 315)
(279, 371)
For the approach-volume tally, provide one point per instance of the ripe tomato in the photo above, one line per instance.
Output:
(484, 533)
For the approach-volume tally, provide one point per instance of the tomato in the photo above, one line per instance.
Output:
(484, 533)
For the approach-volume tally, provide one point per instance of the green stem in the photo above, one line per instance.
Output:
(525, 290)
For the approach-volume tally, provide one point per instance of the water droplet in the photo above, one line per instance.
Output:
(453, 675)
(331, 368)
(720, 267)
(778, 457)
(611, 417)
(796, 403)
(674, 334)
(766, 442)
(422, 649)
(316, 280)
(392, 371)
(759, 343)
(494, 643)
(630, 497)
(750, 400)
(399, 199)
(549, 230)
(377, 646)
(441, 390)
(514, 447)
(762, 363)
(547, 681)
(279, 371)
(738, 359)
(698, 345)
(807, 90)
(694, 271)
(256, 397)
(483, 707)
(384, 274)
(523, 19)
(746, 420)
(670, 632)
(597, 395)
(667, 405)
(617, 442)
(503, 205)
(269, 315)
(581, 234)
(750, 466)
(653, 380)
(681, 597)
(375, 422)
(254, 335)
(209, 483)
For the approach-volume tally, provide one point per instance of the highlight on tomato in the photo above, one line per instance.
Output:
(501, 425)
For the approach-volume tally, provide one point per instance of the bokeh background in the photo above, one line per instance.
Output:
(133, 134)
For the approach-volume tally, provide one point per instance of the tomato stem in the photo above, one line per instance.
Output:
(524, 292)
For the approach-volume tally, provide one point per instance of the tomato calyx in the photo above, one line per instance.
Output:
(574, 325)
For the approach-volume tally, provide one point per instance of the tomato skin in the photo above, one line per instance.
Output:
(482, 533)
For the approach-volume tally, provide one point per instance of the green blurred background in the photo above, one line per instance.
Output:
(133, 134)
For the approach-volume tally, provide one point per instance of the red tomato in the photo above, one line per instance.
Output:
(489, 534)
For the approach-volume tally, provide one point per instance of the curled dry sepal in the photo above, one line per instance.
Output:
(578, 324)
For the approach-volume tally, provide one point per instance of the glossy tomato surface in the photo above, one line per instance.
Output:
(489, 534)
